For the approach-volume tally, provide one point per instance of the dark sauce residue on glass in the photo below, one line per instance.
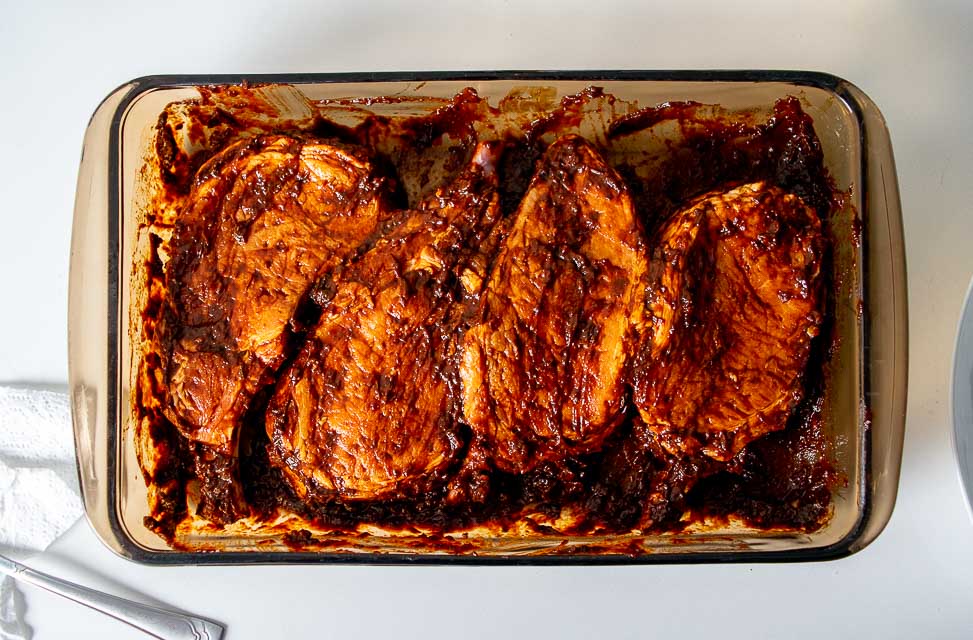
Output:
(782, 481)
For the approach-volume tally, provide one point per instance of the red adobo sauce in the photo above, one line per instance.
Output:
(783, 480)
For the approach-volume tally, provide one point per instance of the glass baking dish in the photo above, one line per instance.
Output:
(866, 394)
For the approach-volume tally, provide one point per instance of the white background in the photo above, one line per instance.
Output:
(57, 60)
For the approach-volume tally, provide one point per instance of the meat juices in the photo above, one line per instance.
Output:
(266, 218)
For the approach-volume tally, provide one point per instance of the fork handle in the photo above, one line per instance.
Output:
(160, 623)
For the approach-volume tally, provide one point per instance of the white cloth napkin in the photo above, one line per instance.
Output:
(39, 497)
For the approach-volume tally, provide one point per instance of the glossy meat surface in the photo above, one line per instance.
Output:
(543, 369)
(368, 408)
(324, 393)
(734, 299)
(265, 218)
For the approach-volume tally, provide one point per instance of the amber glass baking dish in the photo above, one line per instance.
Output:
(867, 376)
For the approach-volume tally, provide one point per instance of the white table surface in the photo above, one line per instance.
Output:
(57, 60)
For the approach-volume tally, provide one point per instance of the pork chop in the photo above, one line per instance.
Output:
(368, 408)
(266, 217)
(543, 368)
(734, 299)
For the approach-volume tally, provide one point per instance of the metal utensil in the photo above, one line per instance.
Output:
(168, 625)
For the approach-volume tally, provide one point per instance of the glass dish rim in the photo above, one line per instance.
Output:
(142, 85)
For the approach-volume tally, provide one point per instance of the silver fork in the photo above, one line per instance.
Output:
(160, 623)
